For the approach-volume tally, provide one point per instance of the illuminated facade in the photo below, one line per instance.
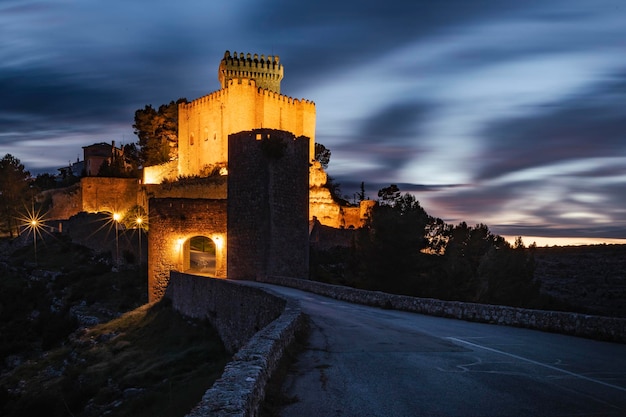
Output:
(260, 229)
(249, 99)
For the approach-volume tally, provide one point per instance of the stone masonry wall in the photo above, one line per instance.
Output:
(173, 221)
(210, 187)
(267, 204)
(66, 202)
(236, 311)
(582, 325)
(113, 195)
(258, 326)
(205, 124)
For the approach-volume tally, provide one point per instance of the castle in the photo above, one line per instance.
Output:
(249, 98)
(257, 213)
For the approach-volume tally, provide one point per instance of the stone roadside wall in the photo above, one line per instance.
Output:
(257, 325)
(581, 325)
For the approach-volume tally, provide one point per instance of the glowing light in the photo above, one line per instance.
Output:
(218, 240)
(33, 222)
(116, 217)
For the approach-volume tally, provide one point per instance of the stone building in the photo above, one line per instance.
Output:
(249, 98)
(255, 215)
(260, 229)
(97, 154)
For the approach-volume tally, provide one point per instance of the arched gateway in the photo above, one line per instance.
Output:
(174, 225)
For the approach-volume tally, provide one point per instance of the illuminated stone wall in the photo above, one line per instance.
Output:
(204, 124)
(211, 187)
(173, 221)
(65, 202)
(156, 174)
(268, 226)
(326, 210)
(112, 195)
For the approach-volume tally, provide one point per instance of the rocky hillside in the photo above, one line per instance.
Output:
(77, 338)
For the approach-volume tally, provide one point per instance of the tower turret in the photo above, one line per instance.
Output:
(267, 72)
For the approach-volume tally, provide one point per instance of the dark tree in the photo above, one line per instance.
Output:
(391, 244)
(157, 131)
(45, 181)
(360, 196)
(507, 276)
(14, 192)
(132, 159)
(388, 195)
(322, 155)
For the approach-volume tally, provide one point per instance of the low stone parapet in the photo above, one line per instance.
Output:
(255, 324)
(582, 325)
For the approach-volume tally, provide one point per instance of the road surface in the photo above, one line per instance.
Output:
(364, 361)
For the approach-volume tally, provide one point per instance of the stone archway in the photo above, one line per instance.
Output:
(174, 222)
(200, 256)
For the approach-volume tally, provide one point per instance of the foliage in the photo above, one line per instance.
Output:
(322, 155)
(507, 276)
(361, 196)
(157, 132)
(150, 361)
(132, 158)
(14, 192)
(404, 250)
(388, 195)
(391, 244)
(335, 191)
(45, 182)
(213, 170)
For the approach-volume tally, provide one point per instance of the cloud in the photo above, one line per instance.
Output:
(585, 125)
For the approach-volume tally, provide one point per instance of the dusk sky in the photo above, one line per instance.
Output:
(508, 113)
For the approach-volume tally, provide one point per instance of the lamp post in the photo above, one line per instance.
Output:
(116, 220)
(138, 222)
(34, 224)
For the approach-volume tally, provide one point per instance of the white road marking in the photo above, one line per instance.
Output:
(554, 368)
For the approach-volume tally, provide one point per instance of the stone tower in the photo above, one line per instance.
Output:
(249, 99)
(268, 204)
(266, 72)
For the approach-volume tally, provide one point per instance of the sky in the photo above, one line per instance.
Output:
(503, 112)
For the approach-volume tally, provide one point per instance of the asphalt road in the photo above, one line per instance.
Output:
(364, 361)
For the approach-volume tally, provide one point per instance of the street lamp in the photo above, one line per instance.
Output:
(33, 222)
(116, 219)
(139, 222)
(34, 225)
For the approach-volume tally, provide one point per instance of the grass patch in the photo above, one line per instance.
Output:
(150, 361)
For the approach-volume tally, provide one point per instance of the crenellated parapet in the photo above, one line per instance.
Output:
(221, 96)
(267, 72)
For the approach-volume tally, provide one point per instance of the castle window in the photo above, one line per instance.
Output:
(191, 139)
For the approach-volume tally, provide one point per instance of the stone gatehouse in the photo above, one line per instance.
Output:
(260, 229)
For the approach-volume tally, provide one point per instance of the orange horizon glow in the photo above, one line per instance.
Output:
(542, 241)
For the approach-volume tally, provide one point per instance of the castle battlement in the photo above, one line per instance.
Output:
(266, 72)
(221, 94)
